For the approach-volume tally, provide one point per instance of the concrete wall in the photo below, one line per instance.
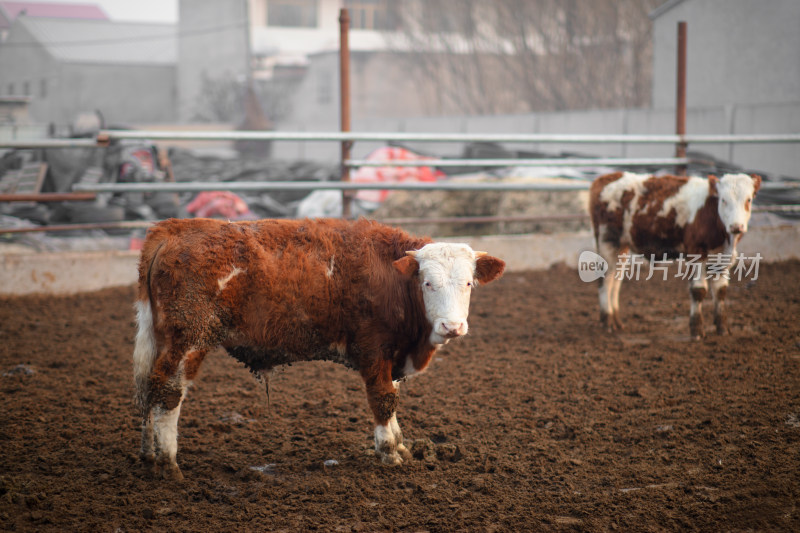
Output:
(74, 272)
(124, 94)
(774, 159)
(221, 53)
(739, 51)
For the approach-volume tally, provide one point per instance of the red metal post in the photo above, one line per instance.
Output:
(344, 94)
(680, 103)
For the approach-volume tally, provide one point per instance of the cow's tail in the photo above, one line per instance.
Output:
(145, 349)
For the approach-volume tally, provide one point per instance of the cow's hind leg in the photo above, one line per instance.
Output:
(169, 382)
(147, 452)
(616, 279)
(608, 290)
(144, 356)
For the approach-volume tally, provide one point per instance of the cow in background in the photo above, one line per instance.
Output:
(274, 292)
(672, 215)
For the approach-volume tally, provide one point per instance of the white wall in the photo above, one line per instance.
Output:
(738, 51)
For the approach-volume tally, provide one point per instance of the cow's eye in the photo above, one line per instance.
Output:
(469, 284)
(428, 285)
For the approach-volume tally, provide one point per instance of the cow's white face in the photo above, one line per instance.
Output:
(447, 273)
(736, 192)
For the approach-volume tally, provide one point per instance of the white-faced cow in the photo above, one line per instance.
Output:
(274, 292)
(672, 215)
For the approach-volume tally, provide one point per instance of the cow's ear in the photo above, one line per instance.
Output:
(713, 181)
(756, 183)
(406, 265)
(488, 268)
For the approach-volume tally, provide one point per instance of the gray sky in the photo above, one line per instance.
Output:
(133, 10)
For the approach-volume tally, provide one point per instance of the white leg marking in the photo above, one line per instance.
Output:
(394, 427)
(699, 282)
(165, 424)
(606, 292)
(386, 444)
(615, 286)
(398, 437)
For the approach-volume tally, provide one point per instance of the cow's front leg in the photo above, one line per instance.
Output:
(398, 434)
(698, 288)
(719, 289)
(382, 396)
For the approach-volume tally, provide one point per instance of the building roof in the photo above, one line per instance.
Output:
(11, 10)
(663, 8)
(104, 41)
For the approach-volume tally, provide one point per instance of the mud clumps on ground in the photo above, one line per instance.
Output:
(538, 420)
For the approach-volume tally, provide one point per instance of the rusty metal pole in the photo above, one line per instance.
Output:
(344, 95)
(680, 103)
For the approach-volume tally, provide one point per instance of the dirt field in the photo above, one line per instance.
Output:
(538, 420)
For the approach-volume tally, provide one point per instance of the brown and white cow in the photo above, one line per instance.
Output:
(672, 215)
(273, 292)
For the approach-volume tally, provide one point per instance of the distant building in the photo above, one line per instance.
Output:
(425, 58)
(295, 43)
(219, 52)
(14, 110)
(9, 11)
(68, 67)
(739, 52)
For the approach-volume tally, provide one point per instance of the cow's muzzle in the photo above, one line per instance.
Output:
(450, 330)
(738, 229)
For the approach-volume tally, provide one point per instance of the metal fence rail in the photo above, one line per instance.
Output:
(50, 143)
(107, 135)
(560, 162)
(262, 186)
(258, 186)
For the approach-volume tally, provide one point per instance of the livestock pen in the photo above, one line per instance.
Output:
(539, 419)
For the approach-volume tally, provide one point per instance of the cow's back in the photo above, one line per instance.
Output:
(645, 212)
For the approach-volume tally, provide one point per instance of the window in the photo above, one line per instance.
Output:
(26, 88)
(292, 13)
(372, 14)
(11, 89)
(43, 89)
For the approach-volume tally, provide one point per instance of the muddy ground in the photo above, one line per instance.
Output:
(538, 420)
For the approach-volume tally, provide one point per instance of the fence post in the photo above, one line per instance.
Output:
(344, 94)
(680, 104)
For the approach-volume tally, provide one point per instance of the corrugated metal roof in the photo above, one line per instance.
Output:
(103, 41)
(43, 9)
